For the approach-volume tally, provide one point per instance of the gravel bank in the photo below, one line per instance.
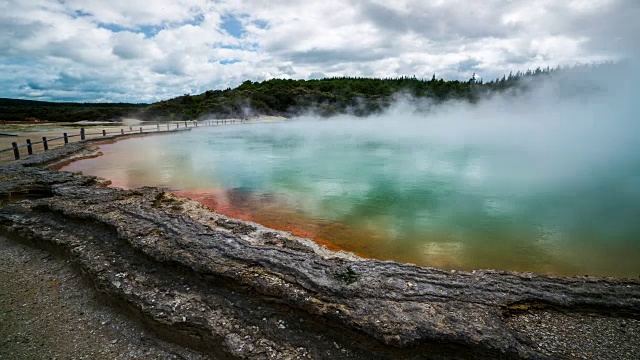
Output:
(238, 290)
(48, 311)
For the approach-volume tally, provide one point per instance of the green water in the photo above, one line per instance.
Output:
(434, 200)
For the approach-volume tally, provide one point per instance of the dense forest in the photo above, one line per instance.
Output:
(329, 96)
(326, 97)
(28, 110)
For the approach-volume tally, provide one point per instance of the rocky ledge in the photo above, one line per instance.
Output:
(234, 289)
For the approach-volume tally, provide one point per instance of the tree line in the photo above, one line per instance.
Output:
(283, 97)
(329, 96)
(17, 110)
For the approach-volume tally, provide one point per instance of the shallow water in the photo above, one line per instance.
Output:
(401, 197)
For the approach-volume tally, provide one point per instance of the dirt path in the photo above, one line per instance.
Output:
(47, 311)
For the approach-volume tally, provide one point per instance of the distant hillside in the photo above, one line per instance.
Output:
(325, 97)
(29, 110)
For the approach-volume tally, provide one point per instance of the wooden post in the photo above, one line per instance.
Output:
(196, 123)
(44, 143)
(66, 138)
(177, 125)
(167, 127)
(16, 153)
(121, 131)
(185, 124)
(82, 136)
(141, 129)
(158, 125)
(104, 132)
(29, 147)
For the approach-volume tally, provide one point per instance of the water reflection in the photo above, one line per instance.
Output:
(400, 199)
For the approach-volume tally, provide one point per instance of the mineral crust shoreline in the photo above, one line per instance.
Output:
(235, 289)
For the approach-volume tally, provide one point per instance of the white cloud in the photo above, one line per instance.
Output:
(130, 13)
(133, 50)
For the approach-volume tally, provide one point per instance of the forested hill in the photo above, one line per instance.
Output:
(28, 110)
(326, 97)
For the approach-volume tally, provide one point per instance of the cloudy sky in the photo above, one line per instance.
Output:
(143, 51)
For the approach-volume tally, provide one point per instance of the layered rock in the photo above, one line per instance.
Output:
(225, 286)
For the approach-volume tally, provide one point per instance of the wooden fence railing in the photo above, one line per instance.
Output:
(15, 147)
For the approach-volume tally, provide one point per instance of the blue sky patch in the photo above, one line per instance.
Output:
(232, 25)
(112, 27)
(230, 61)
(149, 31)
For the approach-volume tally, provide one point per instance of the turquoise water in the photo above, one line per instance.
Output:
(425, 194)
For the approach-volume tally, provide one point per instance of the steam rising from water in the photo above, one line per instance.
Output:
(559, 164)
(545, 181)
(574, 128)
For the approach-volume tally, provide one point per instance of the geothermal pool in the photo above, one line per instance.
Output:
(387, 190)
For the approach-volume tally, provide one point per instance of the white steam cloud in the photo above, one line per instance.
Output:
(545, 180)
(571, 127)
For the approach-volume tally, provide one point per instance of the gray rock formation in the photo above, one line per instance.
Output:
(239, 290)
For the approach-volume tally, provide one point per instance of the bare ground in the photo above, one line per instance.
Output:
(47, 311)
